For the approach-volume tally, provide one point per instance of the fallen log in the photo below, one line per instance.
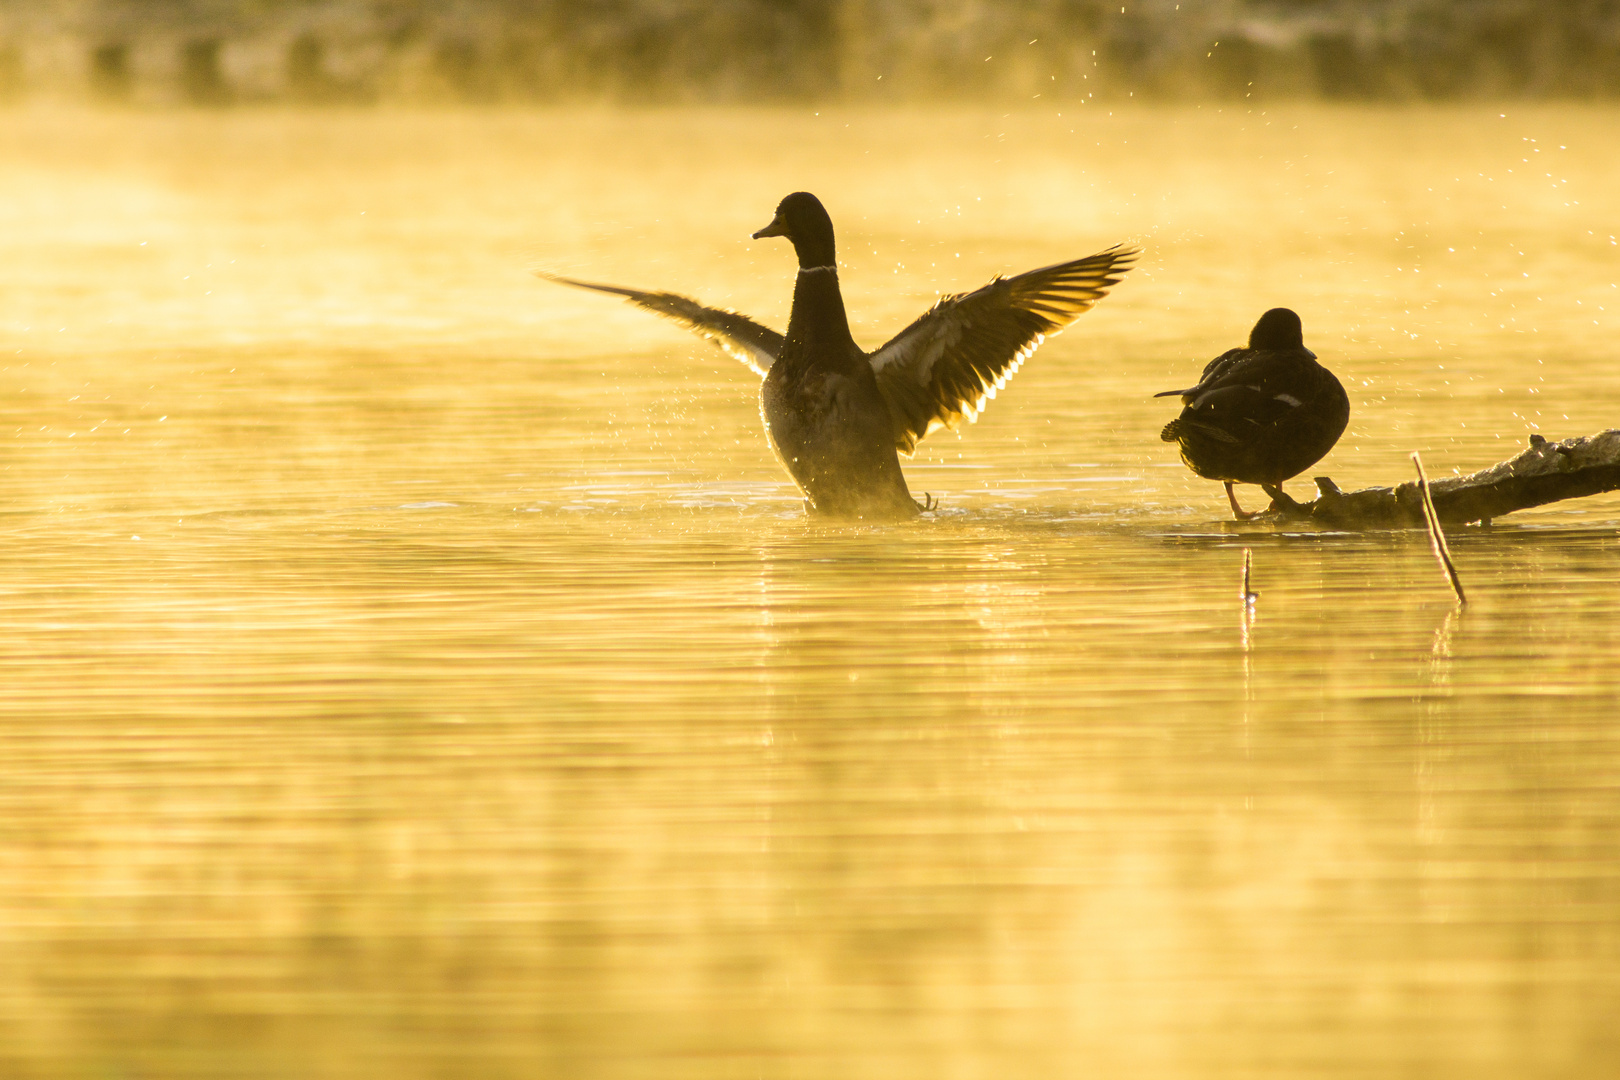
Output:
(1545, 472)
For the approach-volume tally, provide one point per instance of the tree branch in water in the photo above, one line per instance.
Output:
(1545, 472)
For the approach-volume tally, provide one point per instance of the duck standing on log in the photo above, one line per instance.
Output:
(1260, 415)
(838, 417)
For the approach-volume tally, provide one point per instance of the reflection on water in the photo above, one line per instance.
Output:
(413, 668)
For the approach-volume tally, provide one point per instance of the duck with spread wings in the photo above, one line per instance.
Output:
(838, 417)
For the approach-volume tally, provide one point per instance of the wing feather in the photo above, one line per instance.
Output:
(949, 363)
(741, 337)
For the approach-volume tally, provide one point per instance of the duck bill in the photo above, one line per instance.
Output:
(775, 228)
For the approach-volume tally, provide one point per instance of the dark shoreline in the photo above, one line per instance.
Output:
(221, 52)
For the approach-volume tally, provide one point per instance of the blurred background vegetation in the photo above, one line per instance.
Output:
(217, 52)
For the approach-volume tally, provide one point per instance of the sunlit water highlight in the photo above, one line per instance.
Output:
(415, 669)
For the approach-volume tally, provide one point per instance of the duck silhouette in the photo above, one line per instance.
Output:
(837, 417)
(1260, 415)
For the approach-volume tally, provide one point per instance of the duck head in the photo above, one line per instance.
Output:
(1278, 328)
(802, 219)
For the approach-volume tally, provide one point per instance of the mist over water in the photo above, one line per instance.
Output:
(230, 52)
(414, 668)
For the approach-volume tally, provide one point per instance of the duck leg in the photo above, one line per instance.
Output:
(1280, 499)
(1237, 511)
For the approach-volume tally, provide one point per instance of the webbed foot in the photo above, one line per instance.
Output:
(1281, 500)
(1237, 511)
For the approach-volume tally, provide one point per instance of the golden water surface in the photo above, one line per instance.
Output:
(410, 668)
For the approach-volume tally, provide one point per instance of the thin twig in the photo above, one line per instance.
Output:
(1248, 596)
(1437, 538)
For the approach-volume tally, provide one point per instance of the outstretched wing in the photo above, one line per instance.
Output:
(947, 364)
(755, 345)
